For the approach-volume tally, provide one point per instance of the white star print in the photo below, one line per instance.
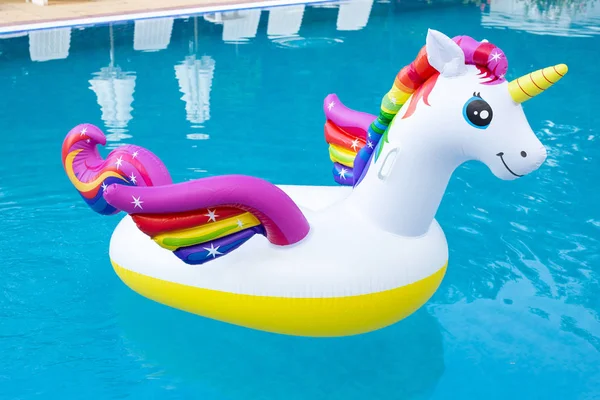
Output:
(83, 131)
(119, 162)
(240, 223)
(135, 154)
(331, 105)
(213, 251)
(369, 135)
(501, 76)
(88, 140)
(393, 99)
(137, 203)
(104, 186)
(342, 173)
(211, 215)
(370, 144)
(133, 178)
(496, 57)
(354, 144)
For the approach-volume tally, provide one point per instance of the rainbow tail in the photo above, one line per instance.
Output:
(347, 132)
(91, 175)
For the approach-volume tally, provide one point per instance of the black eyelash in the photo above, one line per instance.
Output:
(477, 94)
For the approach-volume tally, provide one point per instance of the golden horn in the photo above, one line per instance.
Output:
(532, 84)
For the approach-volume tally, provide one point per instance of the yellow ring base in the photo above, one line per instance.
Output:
(317, 317)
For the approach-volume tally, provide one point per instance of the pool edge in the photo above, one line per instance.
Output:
(102, 19)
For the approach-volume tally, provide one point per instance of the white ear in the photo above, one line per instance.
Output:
(444, 54)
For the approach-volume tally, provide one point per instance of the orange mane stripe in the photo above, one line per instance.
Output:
(401, 86)
(407, 78)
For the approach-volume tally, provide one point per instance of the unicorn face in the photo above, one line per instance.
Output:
(482, 122)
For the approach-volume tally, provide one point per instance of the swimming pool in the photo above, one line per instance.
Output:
(517, 315)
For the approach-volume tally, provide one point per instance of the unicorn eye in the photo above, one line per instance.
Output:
(477, 112)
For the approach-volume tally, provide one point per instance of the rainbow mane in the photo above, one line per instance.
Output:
(352, 144)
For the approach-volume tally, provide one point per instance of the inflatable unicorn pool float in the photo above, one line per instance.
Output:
(320, 261)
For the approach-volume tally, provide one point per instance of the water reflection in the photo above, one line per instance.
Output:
(47, 44)
(238, 26)
(195, 75)
(354, 15)
(285, 21)
(50, 44)
(114, 92)
(152, 34)
(545, 17)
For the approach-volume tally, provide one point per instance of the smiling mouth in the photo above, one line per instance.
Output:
(501, 155)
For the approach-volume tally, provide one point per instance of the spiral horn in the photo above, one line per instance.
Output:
(534, 83)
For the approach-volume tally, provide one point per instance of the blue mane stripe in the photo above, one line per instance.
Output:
(365, 155)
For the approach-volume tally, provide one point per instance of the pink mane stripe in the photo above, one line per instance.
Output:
(485, 55)
(283, 221)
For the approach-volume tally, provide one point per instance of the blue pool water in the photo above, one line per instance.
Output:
(517, 315)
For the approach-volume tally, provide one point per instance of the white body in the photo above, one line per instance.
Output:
(344, 254)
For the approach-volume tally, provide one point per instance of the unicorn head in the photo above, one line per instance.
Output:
(457, 97)
(452, 104)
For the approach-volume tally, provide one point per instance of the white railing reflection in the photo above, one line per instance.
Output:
(152, 34)
(354, 15)
(195, 76)
(49, 44)
(114, 92)
(238, 26)
(285, 21)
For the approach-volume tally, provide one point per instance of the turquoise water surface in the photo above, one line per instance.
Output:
(516, 317)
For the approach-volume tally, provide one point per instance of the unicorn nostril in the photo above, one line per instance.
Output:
(523, 154)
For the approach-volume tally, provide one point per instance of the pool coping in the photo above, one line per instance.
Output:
(103, 19)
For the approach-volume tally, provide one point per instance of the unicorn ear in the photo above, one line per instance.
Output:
(444, 54)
